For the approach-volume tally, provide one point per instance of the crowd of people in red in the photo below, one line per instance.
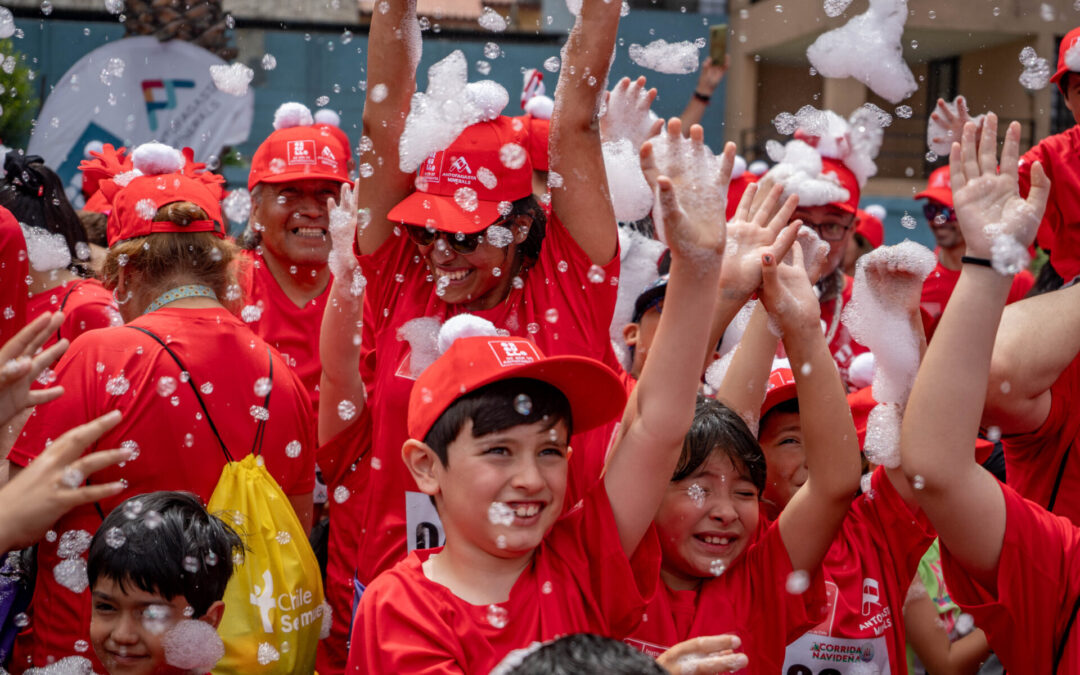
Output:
(811, 453)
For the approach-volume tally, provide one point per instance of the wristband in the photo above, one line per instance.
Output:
(701, 97)
(971, 260)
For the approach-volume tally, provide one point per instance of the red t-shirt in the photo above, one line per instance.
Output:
(1060, 229)
(1032, 460)
(121, 368)
(390, 511)
(867, 573)
(292, 330)
(940, 284)
(843, 347)
(750, 599)
(1038, 581)
(14, 268)
(86, 306)
(580, 580)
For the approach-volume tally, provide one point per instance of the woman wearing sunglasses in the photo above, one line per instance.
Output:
(950, 249)
(464, 234)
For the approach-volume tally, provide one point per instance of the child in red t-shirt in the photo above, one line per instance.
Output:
(1007, 561)
(489, 426)
(722, 564)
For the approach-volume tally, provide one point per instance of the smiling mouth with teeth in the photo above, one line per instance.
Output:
(525, 510)
(454, 275)
(718, 541)
(309, 232)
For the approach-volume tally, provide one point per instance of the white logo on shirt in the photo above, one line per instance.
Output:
(871, 595)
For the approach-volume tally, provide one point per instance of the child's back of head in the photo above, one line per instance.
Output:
(580, 653)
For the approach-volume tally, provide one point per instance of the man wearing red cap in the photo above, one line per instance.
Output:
(295, 170)
(869, 234)
(939, 213)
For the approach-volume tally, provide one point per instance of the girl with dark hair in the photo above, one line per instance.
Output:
(193, 382)
(56, 247)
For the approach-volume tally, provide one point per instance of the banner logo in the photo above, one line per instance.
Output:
(153, 105)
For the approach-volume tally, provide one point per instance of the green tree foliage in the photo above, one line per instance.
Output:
(18, 96)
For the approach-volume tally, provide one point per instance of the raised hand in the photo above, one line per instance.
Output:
(787, 293)
(704, 655)
(343, 221)
(710, 76)
(19, 366)
(760, 225)
(946, 124)
(988, 204)
(691, 185)
(53, 483)
(626, 113)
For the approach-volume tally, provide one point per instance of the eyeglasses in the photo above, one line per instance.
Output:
(831, 231)
(938, 214)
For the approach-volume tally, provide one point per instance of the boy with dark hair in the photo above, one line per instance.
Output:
(495, 415)
(157, 560)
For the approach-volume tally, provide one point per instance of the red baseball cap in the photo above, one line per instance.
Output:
(780, 389)
(460, 188)
(164, 180)
(1067, 42)
(735, 191)
(869, 227)
(539, 130)
(938, 187)
(595, 394)
(303, 152)
(104, 164)
(848, 181)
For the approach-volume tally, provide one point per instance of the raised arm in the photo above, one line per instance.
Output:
(393, 53)
(1037, 339)
(339, 335)
(709, 78)
(578, 181)
(661, 407)
(811, 519)
(962, 500)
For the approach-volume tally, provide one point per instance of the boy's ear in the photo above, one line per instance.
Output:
(521, 229)
(214, 614)
(630, 334)
(422, 463)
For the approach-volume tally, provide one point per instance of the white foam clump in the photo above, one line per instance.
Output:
(673, 58)
(630, 194)
(237, 205)
(834, 8)
(500, 513)
(798, 169)
(192, 645)
(492, 21)
(868, 49)
(154, 159)
(878, 318)
(541, 107)
(1007, 255)
(695, 171)
(232, 79)
(463, 326)
(46, 250)
(882, 445)
(1037, 71)
(861, 370)
(638, 257)
(71, 665)
(449, 105)
(815, 250)
(292, 114)
(717, 370)
(327, 116)
(422, 334)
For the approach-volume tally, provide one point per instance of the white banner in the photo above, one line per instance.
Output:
(136, 90)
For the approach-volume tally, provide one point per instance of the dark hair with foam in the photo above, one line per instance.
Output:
(152, 556)
(586, 653)
(718, 428)
(35, 196)
(530, 248)
(494, 407)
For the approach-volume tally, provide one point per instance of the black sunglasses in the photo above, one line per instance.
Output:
(460, 243)
(938, 214)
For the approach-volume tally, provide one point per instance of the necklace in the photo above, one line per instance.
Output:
(180, 292)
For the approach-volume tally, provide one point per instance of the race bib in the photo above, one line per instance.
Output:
(423, 527)
(822, 655)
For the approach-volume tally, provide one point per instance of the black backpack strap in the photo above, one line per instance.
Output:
(183, 369)
(63, 304)
(1057, 481)
(260, 430)
(1059, 651)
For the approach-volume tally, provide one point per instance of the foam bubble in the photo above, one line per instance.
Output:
(192, 645)
(676, 58)
(46, 250)
(630, 194)
(232, 79)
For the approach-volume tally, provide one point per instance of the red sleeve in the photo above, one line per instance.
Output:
(767, 568)
(1059, 427)
(13, 270)
(905, 534)
(399, 631)
(1037, 583)
(587, 541)
(338, 454)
